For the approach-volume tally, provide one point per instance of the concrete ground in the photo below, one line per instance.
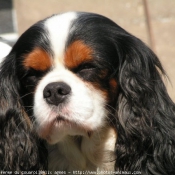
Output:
(128, 14)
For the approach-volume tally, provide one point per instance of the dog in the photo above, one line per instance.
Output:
(93, 92)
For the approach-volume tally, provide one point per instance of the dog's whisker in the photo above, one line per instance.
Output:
(26, 95)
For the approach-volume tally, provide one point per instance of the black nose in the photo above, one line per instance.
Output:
(56, 93)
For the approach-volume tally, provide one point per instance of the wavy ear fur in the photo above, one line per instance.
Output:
(145, 118)
(20, 149)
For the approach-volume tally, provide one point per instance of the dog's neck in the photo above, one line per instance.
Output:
(93, 153)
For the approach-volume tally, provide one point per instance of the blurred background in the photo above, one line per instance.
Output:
(153, 21)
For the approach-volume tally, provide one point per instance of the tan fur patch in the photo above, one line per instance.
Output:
(113, 84)
(38, 59)
(77, 53)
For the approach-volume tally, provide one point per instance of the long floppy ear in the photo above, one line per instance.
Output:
(20, 149)
(145, 118)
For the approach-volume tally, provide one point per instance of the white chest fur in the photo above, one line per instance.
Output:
(94, 153)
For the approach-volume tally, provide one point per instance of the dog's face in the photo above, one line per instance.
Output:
(66, 74)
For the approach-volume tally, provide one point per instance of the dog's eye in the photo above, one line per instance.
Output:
(30, 82)
(31, 79)
(86, 71)
(86, 67)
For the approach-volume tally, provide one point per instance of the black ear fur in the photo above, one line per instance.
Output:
(145, 118)
(20, 149)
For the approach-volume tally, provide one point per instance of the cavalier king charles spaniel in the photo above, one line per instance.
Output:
(79, 93)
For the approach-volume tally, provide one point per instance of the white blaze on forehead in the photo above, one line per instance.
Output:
(58, 27)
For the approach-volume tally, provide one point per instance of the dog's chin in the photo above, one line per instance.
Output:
(61, 127)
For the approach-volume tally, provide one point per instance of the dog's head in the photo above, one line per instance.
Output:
(79, 80)
(67, 68)
(75, 73)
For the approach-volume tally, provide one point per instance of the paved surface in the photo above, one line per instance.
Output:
(128, 14)
(6, 22)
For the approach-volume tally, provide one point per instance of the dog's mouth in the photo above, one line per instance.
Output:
(60, 126)
(63, 120)
(60, 119)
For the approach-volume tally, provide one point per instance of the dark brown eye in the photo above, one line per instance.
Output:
(86, 71)
(30, 82)
(86, 67)
(31, 79)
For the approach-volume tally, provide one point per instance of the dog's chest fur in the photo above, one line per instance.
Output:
(94, 153)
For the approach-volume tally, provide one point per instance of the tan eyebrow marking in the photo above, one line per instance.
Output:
(77, 53)
(38, 59)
